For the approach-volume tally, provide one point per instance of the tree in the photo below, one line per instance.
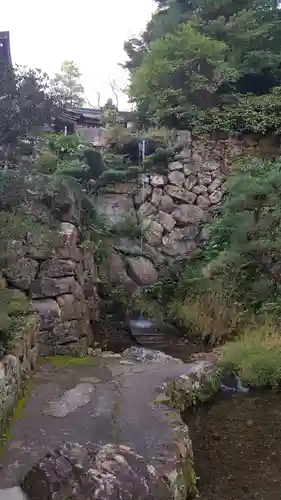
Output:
(110, 113)
(28, 100)
(250, 29)
(181, 71)
(69, 86)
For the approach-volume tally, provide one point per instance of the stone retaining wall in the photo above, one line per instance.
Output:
(60, 279)
(173, 209)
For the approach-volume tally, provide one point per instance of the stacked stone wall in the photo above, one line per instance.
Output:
(173, 208)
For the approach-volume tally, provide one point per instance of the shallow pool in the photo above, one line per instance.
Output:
(237, 447)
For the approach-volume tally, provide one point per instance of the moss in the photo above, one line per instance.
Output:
(16, 415)
(13, 302)
(65, 360)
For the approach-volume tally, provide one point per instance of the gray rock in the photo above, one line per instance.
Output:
(177, 178)
(116, 270)
(111, 472)
(188, 233)
(214, 185)
(204, 234)
(71, 307)
(180, 194)
(70, 400)
(42, 245)
(115, 207)
(176, 244)
(200, 190)
(185, 154)
(167, 204)
(142, 195)
(216, 197)
(190, 182)
(153, 233)
(157, 180)
(211, 165)
(48, 311)
(203, 202)
(204, 178)
(191, 169)
(68, 332)
(176, 165)
(144, 355)
(21, 273)
(166, 220)
(125, 188)
(217, 174)
(146, 209)
(141, 271)
(189, 214)
(57, 268)
(15, 493)
(52, 287)
(156, 196)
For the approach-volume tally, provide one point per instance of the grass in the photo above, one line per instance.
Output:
(65, 360)
(16, 415)
(208, 311)
(256, 355)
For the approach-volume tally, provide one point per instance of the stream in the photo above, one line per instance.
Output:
(236, 443)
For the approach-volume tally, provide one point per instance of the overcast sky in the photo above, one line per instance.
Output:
(91, 32)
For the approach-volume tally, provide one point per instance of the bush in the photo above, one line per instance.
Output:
(47, 163)
(63, 146)
(14, 306)
(95, 163)
(128, 227)
(256, 355)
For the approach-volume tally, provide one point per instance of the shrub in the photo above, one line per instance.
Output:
(256, 355)
(14, 306)
(63, 146)
(95, 163)
(128, 227)
(47, 163)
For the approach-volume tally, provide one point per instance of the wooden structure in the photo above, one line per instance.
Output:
(69, 119)
(5, 51)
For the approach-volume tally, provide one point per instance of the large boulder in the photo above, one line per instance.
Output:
(141, 271)
(189, 214)
(116, 271)
(178, 243)
(21, 273)
(111, 472)
(57, 268)
(180, 194)
(115, 207)
(153, 233)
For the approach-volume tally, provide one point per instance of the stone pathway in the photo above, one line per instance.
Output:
(99, 400)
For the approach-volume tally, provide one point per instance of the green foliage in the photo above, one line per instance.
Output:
(28, 101)
(47, 163)
(251, 35)
(63, 146)
(246, 241)
(95, 163)
(246, 113)
(68, 85)
(128, 227)
(14, 306)
(256, 355)
(169, 85)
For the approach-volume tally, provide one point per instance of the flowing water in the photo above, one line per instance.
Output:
(237, 447)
